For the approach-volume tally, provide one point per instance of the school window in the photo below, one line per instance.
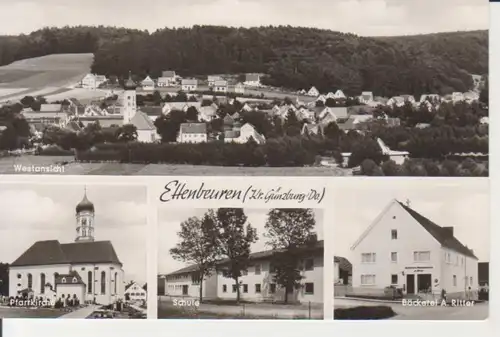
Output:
(257, 269)
(394, 279)
(234, 288)
(394, 257)
(309, 264)
(272, 288)
(422, 256)
(309, 288)
(257, 288)
(454, 280)
(245, 288)
(368, 258)
(367, 280)
(394, 234)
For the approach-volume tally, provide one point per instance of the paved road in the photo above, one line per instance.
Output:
(82, 312)
(477, 312)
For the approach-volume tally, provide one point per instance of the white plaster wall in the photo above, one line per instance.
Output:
(411, 237)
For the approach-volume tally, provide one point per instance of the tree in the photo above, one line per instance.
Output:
(197, 245)
(289, 230)
(234, 238)
(4, 279)
(192, 114)
(168, 126)
(292, 124)
(127, 133)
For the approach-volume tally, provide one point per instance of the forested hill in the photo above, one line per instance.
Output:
(295, 58)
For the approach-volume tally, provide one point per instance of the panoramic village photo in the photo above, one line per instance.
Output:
(415, 250)
(73, 251)
(238, 263)
(250, 88)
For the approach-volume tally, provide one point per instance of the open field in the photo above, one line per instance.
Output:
(43, 75)
(8, 164)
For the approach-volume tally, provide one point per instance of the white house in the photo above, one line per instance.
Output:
(239, 88)
(146, 130)
(135, 293)
(189, 84)
(192, 133)
(457, 97)
(339, 94)
(93, 81)
(242, 135)
(366, 97)
(167, 79)
(211, 79)
(148, 84)
(397, 156)
(256, 284)
(313, 92)
(252, 80)
(220, 86)
(404, 249)
(87, 270)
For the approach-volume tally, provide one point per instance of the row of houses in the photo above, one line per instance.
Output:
(369, 99)
(257, 283)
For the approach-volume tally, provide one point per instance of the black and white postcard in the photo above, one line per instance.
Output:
(245, 88)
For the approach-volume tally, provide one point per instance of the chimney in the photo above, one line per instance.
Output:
(449, 230)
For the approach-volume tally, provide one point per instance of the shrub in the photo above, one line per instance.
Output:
(55, 150)
(364, 313)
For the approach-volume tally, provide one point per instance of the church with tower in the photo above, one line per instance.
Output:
(86, 269)
(146, 130)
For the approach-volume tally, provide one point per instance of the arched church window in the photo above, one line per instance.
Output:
(103, 282)
(42, 283)
(30, 281)
(84, 221)
(19, 276)
(89, 282)
(84, 232)
(116, 282)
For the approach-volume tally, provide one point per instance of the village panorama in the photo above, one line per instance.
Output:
(283, 112)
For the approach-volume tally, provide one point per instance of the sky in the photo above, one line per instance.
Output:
(39, 212)
(362, 17)
(460, 203)
(169, 225)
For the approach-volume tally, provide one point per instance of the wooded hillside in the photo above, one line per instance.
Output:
(294, 58)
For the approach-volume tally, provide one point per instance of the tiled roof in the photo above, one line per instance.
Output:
(152, 110)
(220, 83)
(344, 264)
(50, 107)
(319, 245)
(52, 252)
(193, 128)
(252, 77)
(441, 234)
(168, 73)
(189, 82)
(142, 122)
(71, 278)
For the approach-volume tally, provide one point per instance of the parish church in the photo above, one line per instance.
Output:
(86, 269)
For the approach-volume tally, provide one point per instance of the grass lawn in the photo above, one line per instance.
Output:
(30, 313)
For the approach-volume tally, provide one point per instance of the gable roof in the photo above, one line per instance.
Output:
(142, 122)
(193, 128)
(441, 234)
(344, 264)
(168, 73)
(52, 252)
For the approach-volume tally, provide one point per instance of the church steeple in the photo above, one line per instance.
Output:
(85, 219)
(129, 100)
